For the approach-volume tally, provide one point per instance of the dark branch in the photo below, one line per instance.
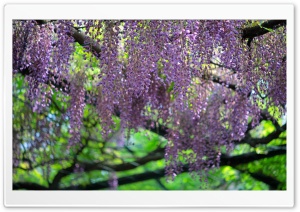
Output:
(161, 184)
(61, 174)
(270, 181)
(259, 30)
(233, 71)
(273, 183)
(228, 85)
(264, 140)
(123, 180)
(250, 157)
(60, 85)
(65, 172)
(158, 129)
(86, 42)
(81, 38)
(158, 154)
(252, 32)
(28, 186)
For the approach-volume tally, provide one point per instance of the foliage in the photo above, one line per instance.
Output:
(101, 104)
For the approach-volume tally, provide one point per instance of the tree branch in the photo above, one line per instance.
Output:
(123, 180)
(28, 186)
(252, 32)
(250, 157)
(225, 161)
(81, 38)
(273, 183)
(270, 181)
(259, 30)
(233, 71)
(65, 172)
(264, 140)
(219, 81)
(158, 154)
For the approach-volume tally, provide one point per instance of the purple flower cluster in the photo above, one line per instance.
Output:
(41, 49)
(77, 104)
(63, 47)
(113, 181)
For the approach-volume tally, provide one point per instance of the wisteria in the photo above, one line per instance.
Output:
(77, 104)
(199, 79)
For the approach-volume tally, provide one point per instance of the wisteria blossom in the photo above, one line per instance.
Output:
(204, 81)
